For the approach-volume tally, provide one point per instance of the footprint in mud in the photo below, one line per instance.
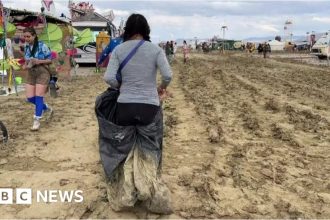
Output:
(249, 121)
(287, 209)
(215, 133)
(171, 120)
(272, 105)
(64, 182)
(280, 133)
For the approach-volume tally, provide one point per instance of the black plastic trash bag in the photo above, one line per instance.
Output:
(131, 157)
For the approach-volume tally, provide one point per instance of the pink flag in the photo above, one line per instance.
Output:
(48, 3)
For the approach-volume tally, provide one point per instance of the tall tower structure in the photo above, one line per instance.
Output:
(288, 34)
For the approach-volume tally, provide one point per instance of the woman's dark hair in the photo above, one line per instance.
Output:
(136, 24)
(33, 32)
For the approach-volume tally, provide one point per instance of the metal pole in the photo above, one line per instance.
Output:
(223, 41)
(328, 47)
(3, 23)
(312, 40)
(223, 37)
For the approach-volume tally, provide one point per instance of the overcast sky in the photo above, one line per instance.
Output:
(174, 19)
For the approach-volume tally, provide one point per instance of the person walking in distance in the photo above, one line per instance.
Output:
(185, 50)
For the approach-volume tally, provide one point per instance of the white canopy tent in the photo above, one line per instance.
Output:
(276, 45)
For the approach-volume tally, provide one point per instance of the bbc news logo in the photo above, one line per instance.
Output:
(24, 196)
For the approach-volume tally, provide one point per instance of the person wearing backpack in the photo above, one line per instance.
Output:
(37, 57)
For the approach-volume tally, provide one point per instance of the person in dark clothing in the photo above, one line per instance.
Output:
(168, 51)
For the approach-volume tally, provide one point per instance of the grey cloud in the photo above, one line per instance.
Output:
(216, 8)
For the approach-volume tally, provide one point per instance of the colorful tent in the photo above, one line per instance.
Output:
(10, 28)
(83, 37)
(52, 36)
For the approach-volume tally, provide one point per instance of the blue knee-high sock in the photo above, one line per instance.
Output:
(32, 100)
(39, 106)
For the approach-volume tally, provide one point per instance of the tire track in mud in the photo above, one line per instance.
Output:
(311, 120)
(252, 123)
(188, 157)
(293, 89)
(289, 79)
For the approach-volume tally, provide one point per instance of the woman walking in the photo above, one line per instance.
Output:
(185, 51)
(131, 143)
(37, 57)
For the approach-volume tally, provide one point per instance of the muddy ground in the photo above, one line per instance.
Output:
(244, 138)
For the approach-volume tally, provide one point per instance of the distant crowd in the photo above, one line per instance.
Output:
(170, 48)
